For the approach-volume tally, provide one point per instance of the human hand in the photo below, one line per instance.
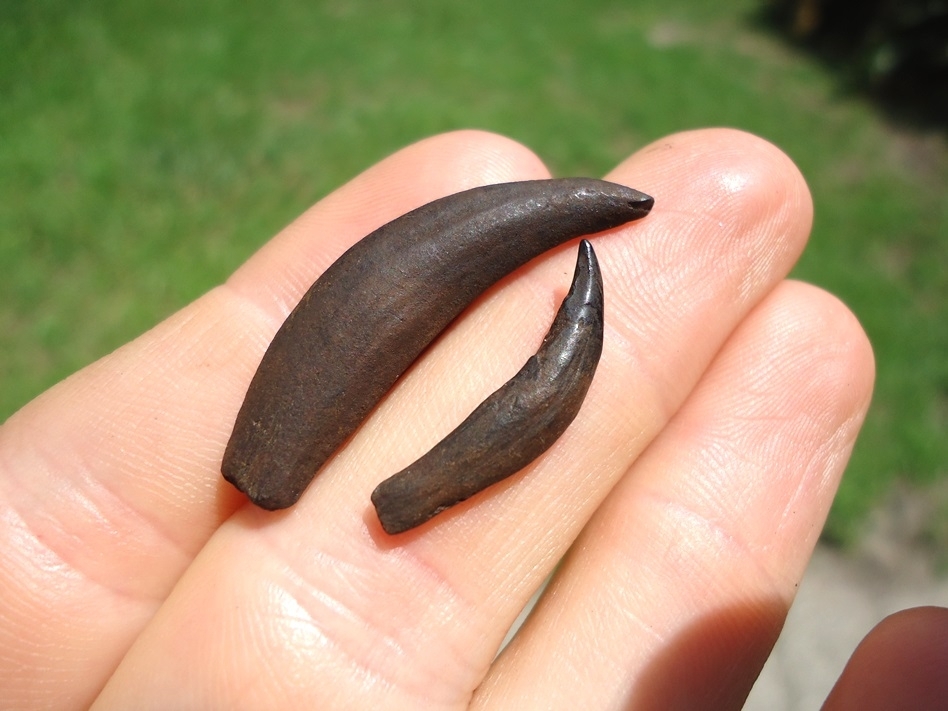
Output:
(687, 495)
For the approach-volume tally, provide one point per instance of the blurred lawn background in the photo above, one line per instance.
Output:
(148, 148)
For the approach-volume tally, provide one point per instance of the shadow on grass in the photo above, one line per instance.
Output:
(896, 55)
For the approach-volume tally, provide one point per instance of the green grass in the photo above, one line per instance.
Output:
(146, 149)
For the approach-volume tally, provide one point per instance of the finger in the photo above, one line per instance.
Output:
(676, 591)
(111, 481)
(899, 665)
(341, 611)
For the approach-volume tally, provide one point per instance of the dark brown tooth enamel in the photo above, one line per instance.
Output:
(375, 309)
(517, 423)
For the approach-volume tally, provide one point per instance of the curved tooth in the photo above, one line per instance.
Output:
(517, 423)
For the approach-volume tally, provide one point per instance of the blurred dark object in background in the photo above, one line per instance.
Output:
(897, 50)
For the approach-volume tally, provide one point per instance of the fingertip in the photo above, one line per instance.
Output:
(725, 179)
(742, 160)
(818, 327)
(440, 165)
(485, 157)
(428, 169)
(900, 664)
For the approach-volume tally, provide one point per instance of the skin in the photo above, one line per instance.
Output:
(906, 650)
(689, 492)
(371, 314)
(517, 423)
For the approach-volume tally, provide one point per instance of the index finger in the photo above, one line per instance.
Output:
(110, 481)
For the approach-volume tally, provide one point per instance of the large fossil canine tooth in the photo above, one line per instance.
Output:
(377, 307)
(516, 423)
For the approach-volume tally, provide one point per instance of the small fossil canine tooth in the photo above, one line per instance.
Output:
(516, 423)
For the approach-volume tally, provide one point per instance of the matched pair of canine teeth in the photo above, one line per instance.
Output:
(372, 313)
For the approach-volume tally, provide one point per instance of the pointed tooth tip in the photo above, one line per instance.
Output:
(586, 250)
(643, 201)
(586, 287)
(638, 201)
